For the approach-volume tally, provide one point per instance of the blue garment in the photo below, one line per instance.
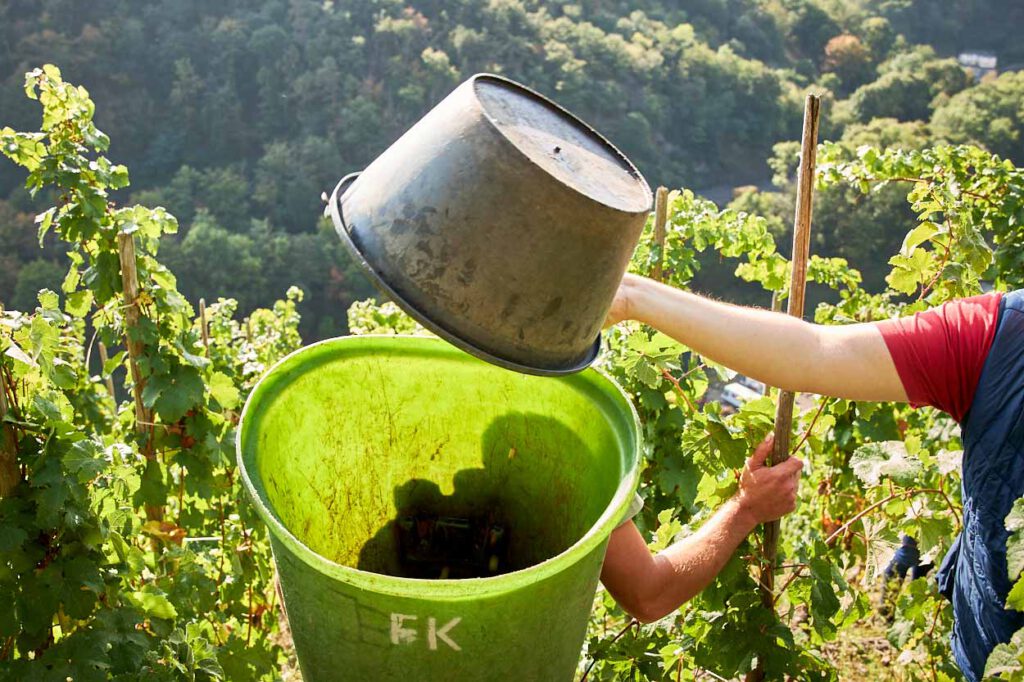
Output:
(974, 573)
(907, 559)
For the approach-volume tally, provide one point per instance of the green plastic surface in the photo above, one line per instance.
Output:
(343, 437)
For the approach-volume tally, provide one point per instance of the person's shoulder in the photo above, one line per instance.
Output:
(971, 313)
(983, 307)
(939, 353)
(1014, 299)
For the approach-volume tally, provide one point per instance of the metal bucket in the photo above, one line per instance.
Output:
(502, 223)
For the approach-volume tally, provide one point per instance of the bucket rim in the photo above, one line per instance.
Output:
(445, 589)
(378, 280)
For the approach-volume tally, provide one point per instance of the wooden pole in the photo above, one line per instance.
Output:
(110, 381)
(797, 291)
(660, 218)
(203, 331)
(9, 473)
(132, 314)
(130, 282)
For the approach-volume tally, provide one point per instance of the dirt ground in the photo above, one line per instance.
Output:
(864, 654)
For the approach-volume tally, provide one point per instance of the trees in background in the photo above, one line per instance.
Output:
(233, 112)
(991, 114)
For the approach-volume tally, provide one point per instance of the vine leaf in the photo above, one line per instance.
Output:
(1015, 544)
(85, 459)
(949, 461)
(155, 603)
(872, 461)
(1005, 659)
(173, 394)
(223, 390)
(1015, 553)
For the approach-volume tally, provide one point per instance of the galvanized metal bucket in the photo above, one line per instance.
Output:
(502, 223)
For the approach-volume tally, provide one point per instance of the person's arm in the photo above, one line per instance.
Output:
(845, 361)
(650, 587)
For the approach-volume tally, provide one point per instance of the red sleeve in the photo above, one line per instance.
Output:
(939, 353)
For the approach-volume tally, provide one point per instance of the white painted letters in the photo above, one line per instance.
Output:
(399, 634)
(433, 634)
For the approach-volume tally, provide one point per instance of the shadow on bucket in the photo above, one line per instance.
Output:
(483, 528)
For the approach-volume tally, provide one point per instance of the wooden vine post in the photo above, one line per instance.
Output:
(144, 421)
(797, 290)
(203, 326)
(660, 218)
(9, 474)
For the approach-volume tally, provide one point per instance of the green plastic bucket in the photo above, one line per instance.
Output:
(351, 446)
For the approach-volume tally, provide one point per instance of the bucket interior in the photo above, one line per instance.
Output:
(404, 456)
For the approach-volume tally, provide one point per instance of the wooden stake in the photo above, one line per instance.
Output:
(143, 417)
(130, 282)
(110, 380)
(202, 325)
(797, 291)
(9, 473)
(660, 218)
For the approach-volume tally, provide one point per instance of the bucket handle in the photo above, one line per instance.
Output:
(333, 209)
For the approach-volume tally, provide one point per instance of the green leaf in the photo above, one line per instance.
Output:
(11, 538)
(1015, 542)
(918, 236)
(43, 339)
(48, 410)
(63, 374)
(824, 602)
(648, 374)
(1006, 658)
(78, 303)
(732, 450)
(909, 271)
(873, 461)
(223, 390)
(1015, 600)
(81, 585)
(191, 358)
(113, 363)
(45, 220)
(174, 393)
(84, 458)
(49, 300)
(931, 531)
(14, 351)
(152, 489)
(155, 603)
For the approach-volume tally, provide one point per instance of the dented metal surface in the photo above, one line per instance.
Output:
(502, 223)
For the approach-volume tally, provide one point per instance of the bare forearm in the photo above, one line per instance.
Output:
(780, 350)
(650, 587)
(690, 565)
